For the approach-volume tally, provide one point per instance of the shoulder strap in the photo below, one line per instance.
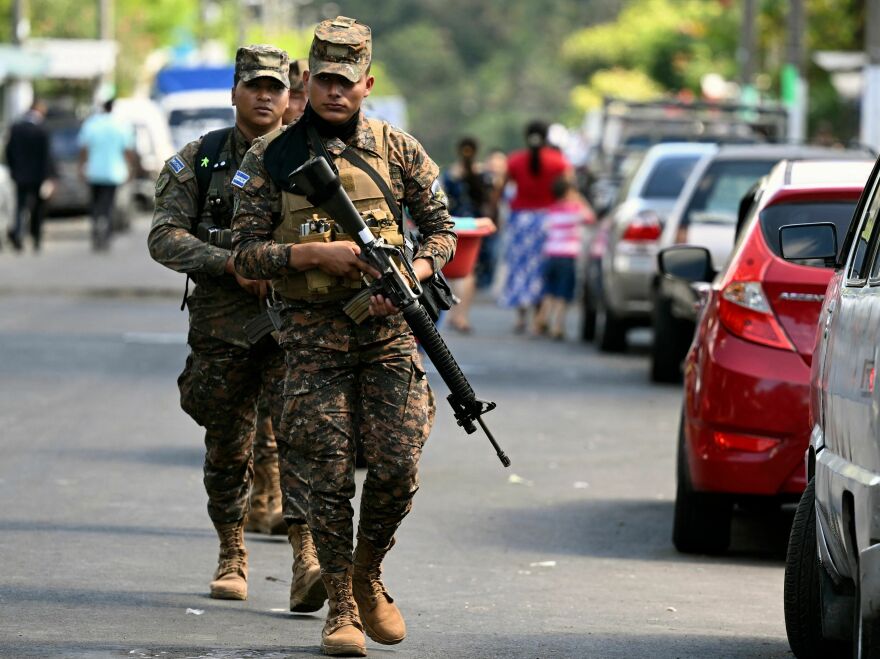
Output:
(351, 156)
(210, 148)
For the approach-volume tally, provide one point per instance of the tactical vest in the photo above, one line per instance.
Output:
(296, 212)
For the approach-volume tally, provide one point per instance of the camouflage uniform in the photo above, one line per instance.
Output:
(224, 374)
(344, 379)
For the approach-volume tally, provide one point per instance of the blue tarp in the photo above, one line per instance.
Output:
(183, 79)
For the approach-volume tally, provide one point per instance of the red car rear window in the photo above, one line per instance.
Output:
(774, 217)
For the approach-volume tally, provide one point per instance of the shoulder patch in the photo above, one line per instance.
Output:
(240, 179)
(179, 168)
(162, 182)
(176, 164)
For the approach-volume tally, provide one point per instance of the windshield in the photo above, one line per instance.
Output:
(716, 199)
(668, 177)
(188, 125)
(773, 218)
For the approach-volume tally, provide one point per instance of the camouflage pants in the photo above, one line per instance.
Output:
(219, 388)
(265, 448)
(347, 381)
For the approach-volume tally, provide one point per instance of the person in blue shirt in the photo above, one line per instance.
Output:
(106, 161)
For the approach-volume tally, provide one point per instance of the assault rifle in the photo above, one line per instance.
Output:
(321, 186)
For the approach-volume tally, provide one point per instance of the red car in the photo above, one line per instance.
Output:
(745, 420)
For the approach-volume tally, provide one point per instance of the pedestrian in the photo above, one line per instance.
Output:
(106, 161)
(496, 169)
(468, 189)
(533, 170)
(299, 95)
(345, 380)
(228, 371)
(29, 158)
(564, 223)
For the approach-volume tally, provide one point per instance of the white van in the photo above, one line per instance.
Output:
(191, 114)
(152, 142)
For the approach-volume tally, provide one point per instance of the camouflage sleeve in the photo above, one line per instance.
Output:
(424, 198)
(170, 241)
(256, 254)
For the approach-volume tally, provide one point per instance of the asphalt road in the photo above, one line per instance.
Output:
(106, 548)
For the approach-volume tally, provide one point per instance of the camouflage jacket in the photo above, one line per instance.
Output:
(414, 178)
(218, 306)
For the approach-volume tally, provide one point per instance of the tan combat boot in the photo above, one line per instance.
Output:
(307, 591)
(343, 634)
(230, 579)
(265, 506)
(381, 617)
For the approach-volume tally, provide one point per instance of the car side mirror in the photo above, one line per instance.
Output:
(816, 240)
(687, 262)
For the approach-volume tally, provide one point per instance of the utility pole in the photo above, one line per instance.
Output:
(746, 51)
(870, 129)
(794, 84)
(105, 88)
(19, 94)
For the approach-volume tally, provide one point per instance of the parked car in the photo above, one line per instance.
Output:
(832, 570)
(619, 275)
(744, 424)
(706, 214)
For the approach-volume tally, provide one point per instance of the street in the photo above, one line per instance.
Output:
(108, 550)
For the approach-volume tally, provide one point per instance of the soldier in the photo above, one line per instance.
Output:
(344, 379)
(228, 368)
(299, 95)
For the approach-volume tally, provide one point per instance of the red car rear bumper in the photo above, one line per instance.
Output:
(738, 393)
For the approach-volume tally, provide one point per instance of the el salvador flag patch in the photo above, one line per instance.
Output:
(176, 164)
(240, 179)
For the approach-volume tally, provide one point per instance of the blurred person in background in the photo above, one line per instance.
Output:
(468, 189)
(564, 225)
(497, 209)
(29, 158)
(533, 171)
(106, 160)
(299, 95)
(229, 372)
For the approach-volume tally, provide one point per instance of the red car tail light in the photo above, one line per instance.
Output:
(745, 312)
(644, 227)
(750, 443)
(743, 307)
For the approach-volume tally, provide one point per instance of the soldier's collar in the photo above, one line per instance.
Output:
(363, 137)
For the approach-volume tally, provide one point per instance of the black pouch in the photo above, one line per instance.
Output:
(437, 296)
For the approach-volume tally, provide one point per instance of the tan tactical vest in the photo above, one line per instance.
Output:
(315, 285)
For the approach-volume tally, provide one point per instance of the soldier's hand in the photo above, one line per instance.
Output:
(381, 306)
(340, 259)
(258, 287)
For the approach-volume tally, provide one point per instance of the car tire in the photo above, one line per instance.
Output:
(610, 333)
(701, 524)
(670, 345)
(802, 598)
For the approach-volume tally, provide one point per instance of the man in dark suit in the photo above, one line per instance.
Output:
(31, 167)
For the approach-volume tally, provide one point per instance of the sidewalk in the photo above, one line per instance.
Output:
(68, 266)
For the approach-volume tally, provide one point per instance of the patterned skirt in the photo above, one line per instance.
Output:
(524, 284)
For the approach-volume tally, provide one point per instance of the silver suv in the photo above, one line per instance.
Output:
(832, 571)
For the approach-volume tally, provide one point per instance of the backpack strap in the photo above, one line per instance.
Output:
(208, 161)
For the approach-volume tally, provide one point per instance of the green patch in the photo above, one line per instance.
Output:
(162, 182)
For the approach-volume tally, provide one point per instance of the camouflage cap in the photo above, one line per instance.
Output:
(261, 61)
(341, 46)
(297, 67)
